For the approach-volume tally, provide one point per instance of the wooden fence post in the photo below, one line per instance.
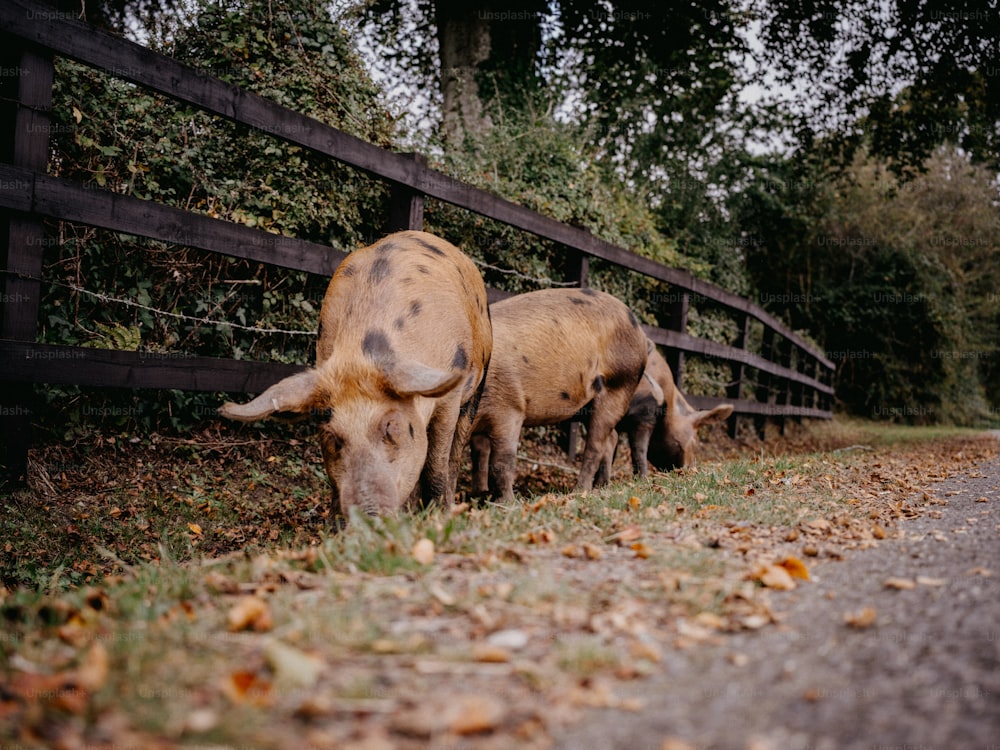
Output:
(406, 206)
(677, 321)
(576, 270)
(22, 238)
(738, 369)
(783, 393)
(764, 381)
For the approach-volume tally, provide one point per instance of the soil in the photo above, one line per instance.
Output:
(893, 647)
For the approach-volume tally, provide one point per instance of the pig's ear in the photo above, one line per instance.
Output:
(294, 394)
(655, 388)
(415, 379)
(720, 412)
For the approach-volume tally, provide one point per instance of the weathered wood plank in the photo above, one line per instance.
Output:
(61, 199)
(715, 350)
(23, 361)
(756, 408)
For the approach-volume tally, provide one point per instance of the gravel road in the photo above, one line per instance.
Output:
(925, 675)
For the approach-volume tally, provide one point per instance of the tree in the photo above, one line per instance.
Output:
(898, 78)
(895, 278)
(639, 65)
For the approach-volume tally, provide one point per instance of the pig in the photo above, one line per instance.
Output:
(403, 348)
(556, 353)
(662, 427)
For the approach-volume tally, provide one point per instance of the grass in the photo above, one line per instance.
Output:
(596, 585)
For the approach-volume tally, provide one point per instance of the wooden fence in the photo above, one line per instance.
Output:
(792, 378)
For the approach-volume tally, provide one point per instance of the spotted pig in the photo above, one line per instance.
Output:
(403, 348)
(662, 427)
(556, 353)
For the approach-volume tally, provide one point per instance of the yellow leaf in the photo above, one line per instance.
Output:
(77, 115)
(795, 567)
(900, 584)
(878, 532)
(641, 550)
(592, 551)
(247, 688)
(423, 552)
(195, 529)
(634, 503)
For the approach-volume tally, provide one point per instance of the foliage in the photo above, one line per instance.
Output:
(856, 56)
(112, 136)
(896, 279)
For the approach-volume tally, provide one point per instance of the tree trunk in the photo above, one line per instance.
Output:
(486, 52)
(464, 44)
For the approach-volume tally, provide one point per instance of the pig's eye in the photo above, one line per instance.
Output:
(333, 441)
(320, 416)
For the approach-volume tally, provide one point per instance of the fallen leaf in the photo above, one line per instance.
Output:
(476, 714)
(900, 584)
(423, 551)
(774, 577)
(795, 567)
(646, 650)
(250, 613)
(863, 618)
(641, 550)
(570, 550)
(592, 551)
(982, 499)
(820, 524)
(675, 743)
(291, 666)
(754, 622)
(626, 536)
(195, 529)
(710, 620)
(93, 671)
(201, 720)
(511, 638)
(441, 594)
(490, 654)
(634, 503)
(928, 581)
(878, 532)
(984, 572)
(245, 687)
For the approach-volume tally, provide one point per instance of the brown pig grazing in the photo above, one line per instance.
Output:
(660, 424)
(404, 344)
(556, 352)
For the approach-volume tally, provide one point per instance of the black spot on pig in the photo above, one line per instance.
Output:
(598, 384)
(429, 247)
(380, 268)
(377, 348)
(461, 359)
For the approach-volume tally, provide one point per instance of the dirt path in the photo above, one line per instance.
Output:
(925, 675)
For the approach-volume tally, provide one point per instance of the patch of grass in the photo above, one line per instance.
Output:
(571, 580)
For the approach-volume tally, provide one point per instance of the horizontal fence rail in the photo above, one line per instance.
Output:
(794, 380)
